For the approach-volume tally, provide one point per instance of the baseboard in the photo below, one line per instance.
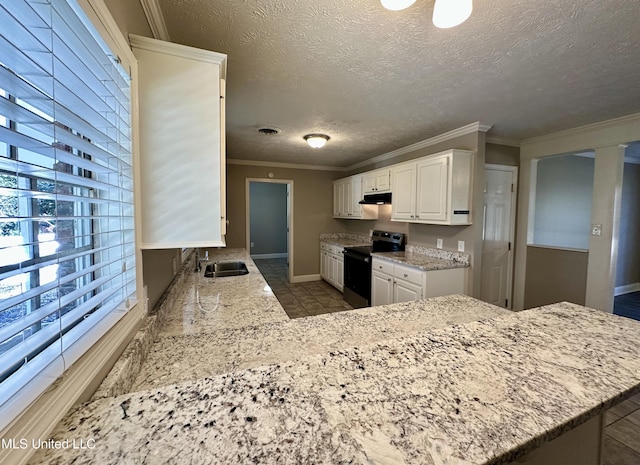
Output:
(626, 289)
(305, 278)
(268, 255)
(41, 417)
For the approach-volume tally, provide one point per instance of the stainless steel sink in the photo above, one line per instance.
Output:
(223, 269)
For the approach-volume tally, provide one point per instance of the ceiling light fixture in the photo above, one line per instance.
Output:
(450, 13)
(396, 5)
(316, 140)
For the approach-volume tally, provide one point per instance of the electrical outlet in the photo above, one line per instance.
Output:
(460, 246)
(596, 230)
(438, 243)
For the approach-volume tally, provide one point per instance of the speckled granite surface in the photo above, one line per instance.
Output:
(422, 261)
(180, 358)
(345, 239)
(484, 392)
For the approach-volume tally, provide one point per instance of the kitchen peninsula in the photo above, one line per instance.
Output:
(449, 380)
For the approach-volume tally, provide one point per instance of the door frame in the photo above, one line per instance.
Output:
(512, 225)
(289, 183)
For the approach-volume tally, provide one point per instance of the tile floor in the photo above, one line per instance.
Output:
(300, 299)
(622, 430)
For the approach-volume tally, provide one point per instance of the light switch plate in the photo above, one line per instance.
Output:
(438, 243)
(460, 246)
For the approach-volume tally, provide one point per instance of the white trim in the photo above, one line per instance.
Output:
(41, 417)
(263, 256)
(100, 16)
(555, 247)
(179, 50)
(463, 131)
(596, 135)
(306, 278)
(289, 183)
(275, 164)
(155, 18)
(182, 245)
(627, 289)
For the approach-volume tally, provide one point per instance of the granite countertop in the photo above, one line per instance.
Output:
(480, 392)
(422, 261)
(345, 239)
(181, 358)
(206, 304)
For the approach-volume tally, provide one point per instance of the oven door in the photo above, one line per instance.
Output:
(357, 279)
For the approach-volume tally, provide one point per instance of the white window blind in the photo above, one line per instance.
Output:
(67, 247)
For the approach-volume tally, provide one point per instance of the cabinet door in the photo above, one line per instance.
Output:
(383, 180)
(324, 265)
(381, 289)
(404, 291)
(336, 198)
(432, 187)
(168, 111)
(340, 273)
(404, 193)
(369, 183)
(355, 196)
(345, 198)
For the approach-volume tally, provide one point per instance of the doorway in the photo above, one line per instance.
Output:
(269, 220)
(627, 284)
(498, 233)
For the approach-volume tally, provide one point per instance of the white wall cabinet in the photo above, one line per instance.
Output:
(332, 264)
(347, 193)
(435, 189)
(377, 181)
(393, 282)
(182, 153)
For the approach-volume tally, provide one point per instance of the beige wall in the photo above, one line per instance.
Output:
(129, 17)
(312, 210)
(555, 275)
(502, 155)
(157, 271)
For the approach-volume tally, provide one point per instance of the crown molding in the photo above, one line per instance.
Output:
(501, 141)
(462, 131)
(628, 124)
(294, 166)
(155, 19)
(182, 51)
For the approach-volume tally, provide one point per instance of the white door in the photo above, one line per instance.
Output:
(497, 234)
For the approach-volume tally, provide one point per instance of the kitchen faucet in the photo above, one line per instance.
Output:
(200, 260)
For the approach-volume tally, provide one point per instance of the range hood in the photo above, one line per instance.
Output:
(376, 199)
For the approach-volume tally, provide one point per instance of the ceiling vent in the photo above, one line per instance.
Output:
(269, 131)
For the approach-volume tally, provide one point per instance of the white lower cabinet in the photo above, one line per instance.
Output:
(393, 282)
(332, 264)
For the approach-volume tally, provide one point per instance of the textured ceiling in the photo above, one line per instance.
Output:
(376, 81)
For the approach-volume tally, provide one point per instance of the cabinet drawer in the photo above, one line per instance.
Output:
(324, 246)
(336, 250)
(413, 275)
(382, 266)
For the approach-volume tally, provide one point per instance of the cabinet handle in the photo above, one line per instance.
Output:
(389, 280)
(405, 275)
(380, 267)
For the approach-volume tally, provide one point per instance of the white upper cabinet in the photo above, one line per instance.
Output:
(377, 181)
(435, 189)
(347, 193)
(182, 153)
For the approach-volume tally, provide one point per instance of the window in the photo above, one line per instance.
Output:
(67, 244)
